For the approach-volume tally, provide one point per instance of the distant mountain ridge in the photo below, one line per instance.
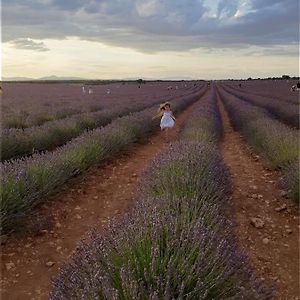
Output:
(54, 77)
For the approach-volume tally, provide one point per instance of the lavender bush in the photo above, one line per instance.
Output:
(291, 180)
(178, 161)
(276, 141)
(204, 123)
(154, 253)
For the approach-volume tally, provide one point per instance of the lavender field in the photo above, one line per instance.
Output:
(92, 111)
(30, 175)
(178, 240)
(61, 100)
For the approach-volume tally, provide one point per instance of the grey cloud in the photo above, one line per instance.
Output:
(227, 8)
(69, 5)
(258, 4)
(153, 25)
(29, 44)
(268, 26)
(291, 51)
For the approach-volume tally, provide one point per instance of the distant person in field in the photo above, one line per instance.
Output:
(295, 87)
(167, 118)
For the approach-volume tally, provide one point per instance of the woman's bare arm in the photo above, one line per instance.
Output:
(157, 116)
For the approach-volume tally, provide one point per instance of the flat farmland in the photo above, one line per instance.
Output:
(60, 100)
(98, 203)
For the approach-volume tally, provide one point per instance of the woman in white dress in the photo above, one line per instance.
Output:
(167, 118)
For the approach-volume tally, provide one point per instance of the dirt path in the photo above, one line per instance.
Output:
(273, 249)
(89, 200)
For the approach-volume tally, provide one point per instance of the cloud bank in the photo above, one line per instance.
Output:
(29, 44)
(153, 25)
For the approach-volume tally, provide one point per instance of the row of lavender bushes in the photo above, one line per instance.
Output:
(17, 142)
(25, 182)
(175, 243)
(274, 140)
(23, 119)
(280, 90)
(285, 112)
(291, 180)
(270, 89)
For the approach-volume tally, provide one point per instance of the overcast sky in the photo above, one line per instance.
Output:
(150, 38)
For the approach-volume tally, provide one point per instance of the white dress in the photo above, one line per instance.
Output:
(166, 120)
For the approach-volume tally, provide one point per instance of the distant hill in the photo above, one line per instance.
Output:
(54, 77)
(179, 78)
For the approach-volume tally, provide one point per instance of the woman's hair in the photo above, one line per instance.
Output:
(163, 107)
(160, 109)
